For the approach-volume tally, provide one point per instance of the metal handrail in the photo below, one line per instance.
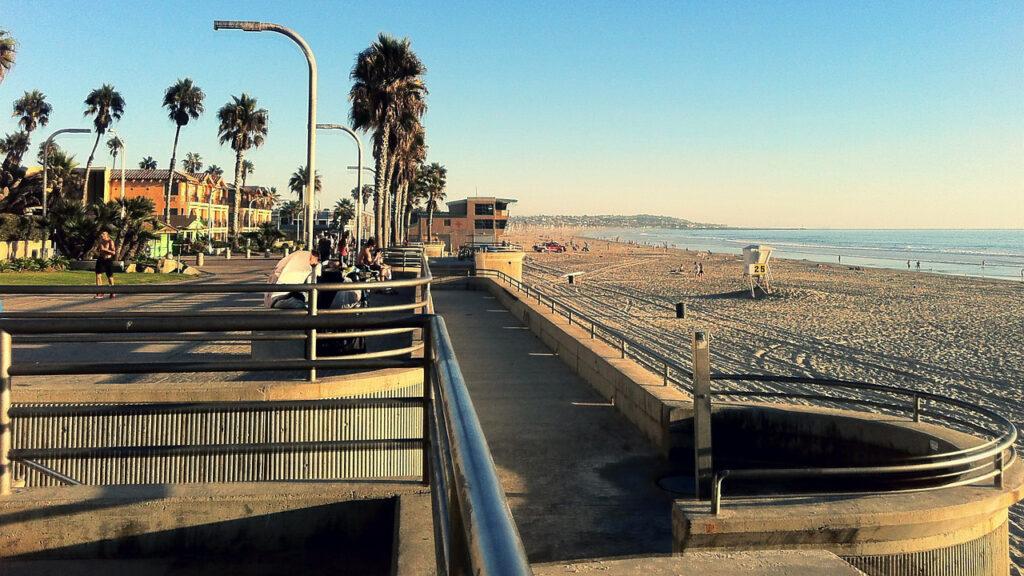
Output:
(987, 460)
(474, 529)
(491, 543)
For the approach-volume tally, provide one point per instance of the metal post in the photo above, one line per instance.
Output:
(428, 366)
(622, 347)
(552, 306)
(666, 375)
(6, 473)
(917, 408)
(703, 469)
(46, 166)
(568, 312)
(593, 329)
(250, 26)
(1000, 466)
(359, 179)
(311, 340)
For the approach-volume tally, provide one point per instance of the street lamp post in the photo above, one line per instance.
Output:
(250, 26)
(46, 167)
(359, 179)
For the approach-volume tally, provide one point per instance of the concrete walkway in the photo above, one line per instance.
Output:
(580, 480)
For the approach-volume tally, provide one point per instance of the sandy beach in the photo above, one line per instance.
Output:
(957, 336)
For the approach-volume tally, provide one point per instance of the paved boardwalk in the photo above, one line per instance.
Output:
(580, 480)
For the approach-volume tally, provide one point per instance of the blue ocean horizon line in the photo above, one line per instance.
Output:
(996, 253)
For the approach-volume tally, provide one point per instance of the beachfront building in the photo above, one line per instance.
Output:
(476, 220)
(255, 208)
(198, 201)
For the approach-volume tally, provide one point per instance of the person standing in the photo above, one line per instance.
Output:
(105, 253)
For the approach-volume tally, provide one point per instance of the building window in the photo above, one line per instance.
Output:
(447, 221)
(500, 224)
(484, 209)
(174, 211)
(483, 224)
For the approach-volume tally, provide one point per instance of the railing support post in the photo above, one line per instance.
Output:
(1000, 464)
(6, 472)
(311, 334)
(917, 408)
(593, 329)
(622, 347)
(428, 368)
(568, 312)
(703, 466)
(665, 374)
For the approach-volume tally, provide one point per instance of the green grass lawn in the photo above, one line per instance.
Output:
(76, 277)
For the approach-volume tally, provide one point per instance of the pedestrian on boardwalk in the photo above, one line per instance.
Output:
(105, 252)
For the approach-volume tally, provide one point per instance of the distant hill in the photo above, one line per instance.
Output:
(610, 221)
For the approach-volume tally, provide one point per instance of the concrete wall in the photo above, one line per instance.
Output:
(355, 527)
(23, 249)
(637, 394)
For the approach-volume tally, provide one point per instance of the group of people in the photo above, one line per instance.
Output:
(332, 247)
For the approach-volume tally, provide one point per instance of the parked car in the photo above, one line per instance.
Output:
(549, 247)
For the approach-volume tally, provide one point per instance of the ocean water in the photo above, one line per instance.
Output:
(984, 253)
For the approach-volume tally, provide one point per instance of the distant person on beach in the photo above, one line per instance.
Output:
(700, 270)
(918, 264)
(105, 252)
(908, 264)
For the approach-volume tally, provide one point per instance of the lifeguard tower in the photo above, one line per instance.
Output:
(756, 268)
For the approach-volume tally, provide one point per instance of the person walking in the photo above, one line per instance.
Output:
(105, 253)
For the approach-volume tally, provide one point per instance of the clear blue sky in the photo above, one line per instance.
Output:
(817, 114)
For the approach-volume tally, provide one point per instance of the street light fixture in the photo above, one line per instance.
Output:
(250, 26)
(46, 167)
(359, 178)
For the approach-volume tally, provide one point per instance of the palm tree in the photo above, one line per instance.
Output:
(32, 111)
(408, 153)
(344, 212)
(13, 146)
(432, 180)
(215, 170)
(7, 52)
(105, 105)
(147, 163)
(247, 168)
(184, 102)
(387, 84)
(297, 183)
(114, 145)
(193, 163)
(243, 126)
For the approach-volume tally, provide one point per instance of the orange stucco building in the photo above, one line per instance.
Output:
(477, 220)
(203, 197)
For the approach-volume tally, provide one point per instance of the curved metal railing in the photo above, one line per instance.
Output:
(984, 461)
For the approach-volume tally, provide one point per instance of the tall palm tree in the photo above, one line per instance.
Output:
(344, 211)
(215, 170)
(32, 111)
(114, 145)
(105, 105)
(193, 163)
(432, 179)
(13, 146)
(147, 163)
(184, 102)
(297, 183)
(243, 126)
(408, 152)
(387, 84)
(247, 168)
(7, 53)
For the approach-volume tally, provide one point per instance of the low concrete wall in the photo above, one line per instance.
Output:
(510, 263)
(953, 531)
(360, 528)
(639, 395)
